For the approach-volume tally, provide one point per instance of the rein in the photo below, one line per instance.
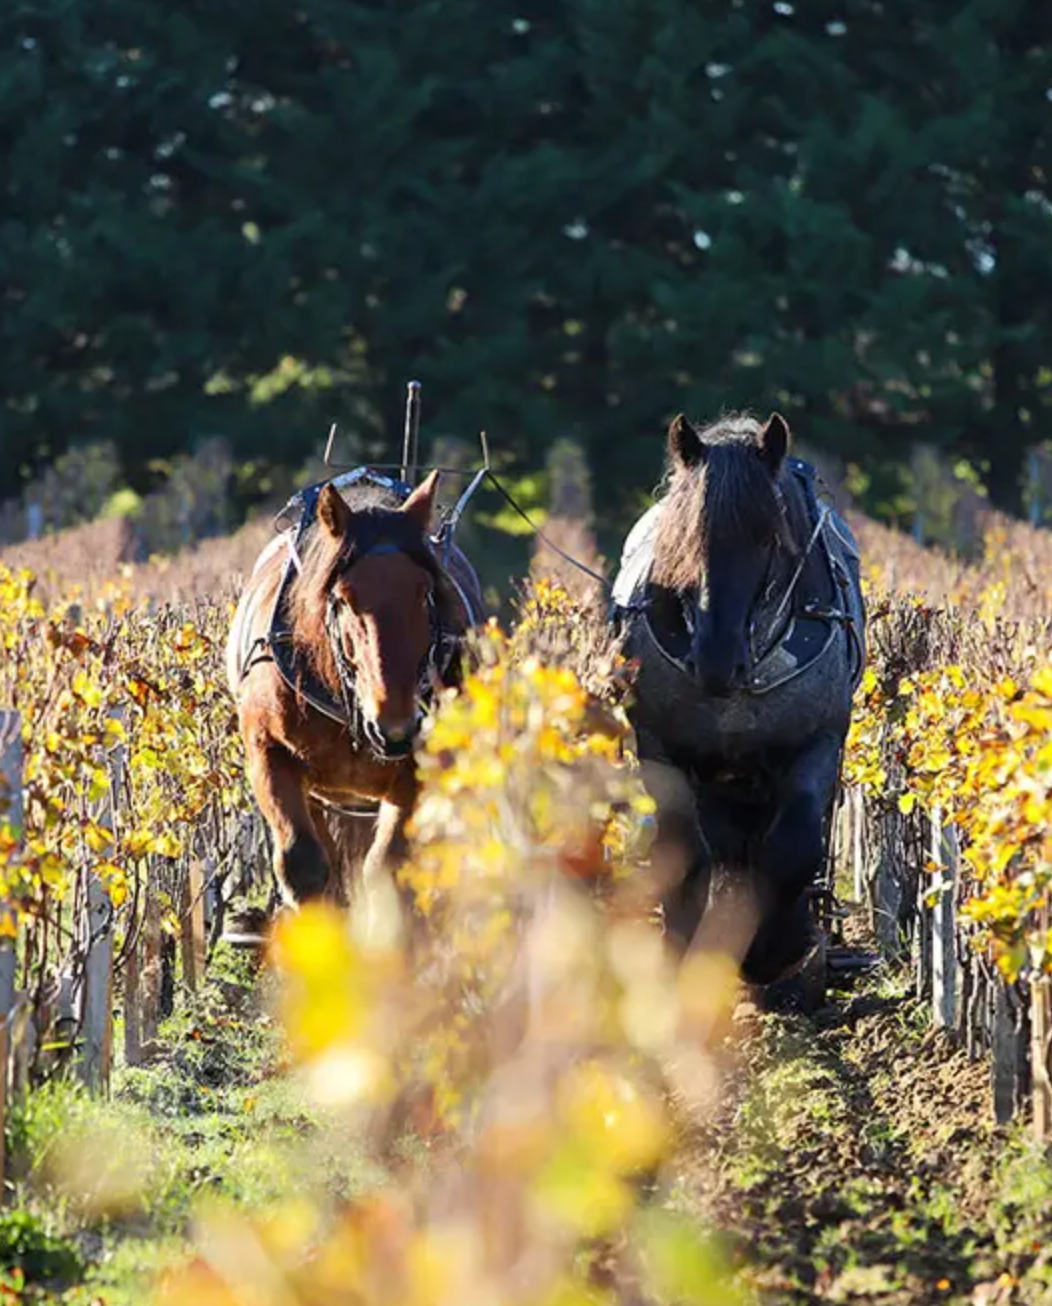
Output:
(303, 501)
(798, 571)
(794, 580)
(566, 557)
(816, 610)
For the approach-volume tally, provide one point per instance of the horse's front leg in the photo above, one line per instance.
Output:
(279, 783)
(389, 851)
(680, 866)
(791, 859)
(390, 844)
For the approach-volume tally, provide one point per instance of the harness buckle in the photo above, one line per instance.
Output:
(823, 612)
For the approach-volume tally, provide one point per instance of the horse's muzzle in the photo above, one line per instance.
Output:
(721, 672)
(722, 680)
(395, 740)
(726, 685)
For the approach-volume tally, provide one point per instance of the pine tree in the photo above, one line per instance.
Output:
(567, 219)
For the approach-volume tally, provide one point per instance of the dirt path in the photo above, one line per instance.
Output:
(855, 1160)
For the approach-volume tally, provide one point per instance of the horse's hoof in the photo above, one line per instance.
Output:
(803, 988)
(247, 928)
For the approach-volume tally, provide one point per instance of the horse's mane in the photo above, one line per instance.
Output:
(729, 495)
(324, 558)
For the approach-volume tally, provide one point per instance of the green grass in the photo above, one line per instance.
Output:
(826, 1187)
(112, 1186)
(836, 1183)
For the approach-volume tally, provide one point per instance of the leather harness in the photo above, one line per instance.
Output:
(802, 627)
(277, 644)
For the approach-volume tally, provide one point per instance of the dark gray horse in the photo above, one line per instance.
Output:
(740, 596)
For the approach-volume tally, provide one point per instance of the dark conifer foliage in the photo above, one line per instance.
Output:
(565, 219)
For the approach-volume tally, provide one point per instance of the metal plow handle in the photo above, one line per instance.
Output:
(411, 440)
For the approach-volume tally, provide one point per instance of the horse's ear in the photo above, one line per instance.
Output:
(774, 441)
(333, 512)
(421, 503)
(685, 445)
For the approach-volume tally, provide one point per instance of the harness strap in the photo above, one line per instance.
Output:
(366, 813)
(794, 580)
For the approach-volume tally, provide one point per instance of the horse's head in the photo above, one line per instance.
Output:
(381, 610)
(721, 525)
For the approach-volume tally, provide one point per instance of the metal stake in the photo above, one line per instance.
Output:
(329, 444)
(411, 441)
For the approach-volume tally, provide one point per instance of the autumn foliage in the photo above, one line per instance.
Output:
(531, 1040)
(129, 742)
(954, 716)
(521, 1068)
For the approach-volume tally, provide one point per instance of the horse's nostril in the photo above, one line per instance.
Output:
(399, 732)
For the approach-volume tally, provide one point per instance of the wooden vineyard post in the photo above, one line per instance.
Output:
(944, 926)
(194, 941)
(132, 999)
(841, 836)
(885, 886)
(1041, 1043)
(1041, 1056)
(97, 993)
(211, 906)
(10, 814)
(856, 825)
(1005, 1051)
(150, 987)
(923, 948)
(849, 842)
(97, 932)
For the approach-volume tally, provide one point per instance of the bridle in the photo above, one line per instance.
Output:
(437, 659)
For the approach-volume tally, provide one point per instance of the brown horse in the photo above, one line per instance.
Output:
(335, 649)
